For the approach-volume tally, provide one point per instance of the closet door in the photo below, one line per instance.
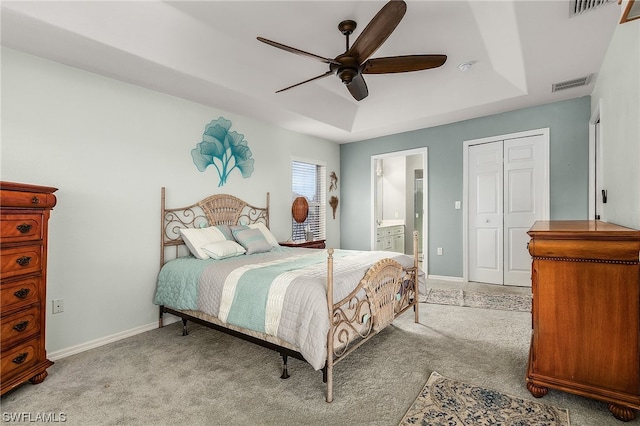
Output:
(524, 177)
(485, 213)
(506, 196)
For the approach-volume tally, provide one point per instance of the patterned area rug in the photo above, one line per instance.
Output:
(505, 302)
(448, 402)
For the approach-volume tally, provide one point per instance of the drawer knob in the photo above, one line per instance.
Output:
(24, 228)
(24, 260)
(21, 326)
(20, 358)
(22, 293)
(35, 200)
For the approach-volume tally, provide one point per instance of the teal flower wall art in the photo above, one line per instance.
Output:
(224, 150)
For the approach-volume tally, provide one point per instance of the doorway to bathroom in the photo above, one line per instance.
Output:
(399, 201)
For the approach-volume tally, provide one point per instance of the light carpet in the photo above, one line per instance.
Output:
(161, 378)
(473, 299)
(447, 402)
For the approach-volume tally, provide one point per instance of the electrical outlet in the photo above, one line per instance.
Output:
(457, 205)
(58, 306)
(439, 251)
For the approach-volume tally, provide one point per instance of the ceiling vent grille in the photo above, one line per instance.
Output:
(581, 6)
(569, 84)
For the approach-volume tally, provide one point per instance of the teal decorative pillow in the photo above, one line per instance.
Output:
(252, 240)
(226, 231)
(266, 232)
(235, 228)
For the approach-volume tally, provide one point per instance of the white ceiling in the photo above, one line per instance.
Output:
(207, 52)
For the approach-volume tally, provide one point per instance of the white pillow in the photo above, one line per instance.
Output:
(271, 239)
(223, 249)
(196, 238)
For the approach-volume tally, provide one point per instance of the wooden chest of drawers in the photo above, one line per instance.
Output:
(586, 312)
(24, 216)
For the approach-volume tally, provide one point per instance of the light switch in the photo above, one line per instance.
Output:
(457, 205)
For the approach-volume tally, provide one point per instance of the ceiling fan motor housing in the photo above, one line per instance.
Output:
(348, 69)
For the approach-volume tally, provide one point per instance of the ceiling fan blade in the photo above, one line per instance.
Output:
(394, 64)
(298, 51)
(328, 73)
(358, 88)
(378, 30)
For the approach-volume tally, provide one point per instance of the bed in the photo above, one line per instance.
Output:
(221, 267)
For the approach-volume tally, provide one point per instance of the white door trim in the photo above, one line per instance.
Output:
(425, 201)
(465, 186)
(595, 117)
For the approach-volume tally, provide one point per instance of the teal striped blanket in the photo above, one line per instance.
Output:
(280, 293)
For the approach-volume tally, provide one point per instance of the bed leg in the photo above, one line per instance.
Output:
(416, 298)
(160, 320)
(185, 331)
(416, 277)
(330, 383)
(329, 364)
(324, 374)
(285, 372)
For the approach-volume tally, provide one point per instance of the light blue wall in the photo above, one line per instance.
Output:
(109, 147)
(568, 123)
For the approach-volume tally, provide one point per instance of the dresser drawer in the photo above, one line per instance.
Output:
(19, 326)
(20, 358)
(20, 227)
(27, 199)
(15, 294)
(20, 260)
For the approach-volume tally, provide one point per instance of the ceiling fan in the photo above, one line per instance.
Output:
(350, 65)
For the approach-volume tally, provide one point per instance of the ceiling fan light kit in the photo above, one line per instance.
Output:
(355, 61)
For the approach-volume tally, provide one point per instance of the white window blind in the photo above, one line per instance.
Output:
(309, 181)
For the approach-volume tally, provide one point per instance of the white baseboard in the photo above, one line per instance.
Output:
(63, 353)
(445, 278)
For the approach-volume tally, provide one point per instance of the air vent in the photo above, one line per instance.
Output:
(569, 84)
(581, 6)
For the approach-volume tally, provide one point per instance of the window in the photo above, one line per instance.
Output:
(309, 180)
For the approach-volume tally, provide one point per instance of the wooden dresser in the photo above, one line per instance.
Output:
(586, 313)
(24, 216)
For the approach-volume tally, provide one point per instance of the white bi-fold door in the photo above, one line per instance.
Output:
(507, 193)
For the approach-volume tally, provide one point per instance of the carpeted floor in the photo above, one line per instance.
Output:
(208, 378)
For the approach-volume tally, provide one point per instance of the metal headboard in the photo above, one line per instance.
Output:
(219, 209)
